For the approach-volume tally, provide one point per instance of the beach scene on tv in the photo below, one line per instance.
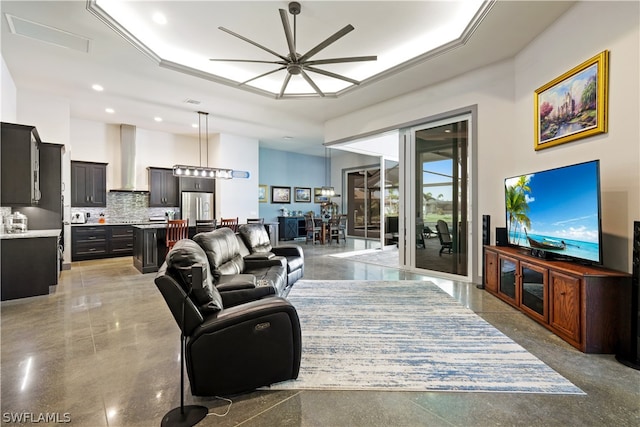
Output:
(556, 210)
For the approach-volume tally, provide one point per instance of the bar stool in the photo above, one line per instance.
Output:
(177, 229)
(232, 223)
(255, 220)
(204, 225)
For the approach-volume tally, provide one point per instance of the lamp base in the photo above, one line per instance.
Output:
(188, 416)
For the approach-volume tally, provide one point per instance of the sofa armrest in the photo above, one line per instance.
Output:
(288, 250)
(242, 296)
(252, 264)
(259, 256)
(232, 282)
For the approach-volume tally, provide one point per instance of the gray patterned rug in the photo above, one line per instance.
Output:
(407, 336)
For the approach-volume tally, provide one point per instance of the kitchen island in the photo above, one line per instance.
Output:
(30, 263)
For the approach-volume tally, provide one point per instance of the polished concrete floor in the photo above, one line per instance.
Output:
(103, 350)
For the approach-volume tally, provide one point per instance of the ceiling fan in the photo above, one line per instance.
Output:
(297, 64)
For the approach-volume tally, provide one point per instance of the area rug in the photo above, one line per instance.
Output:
(407, 336)
(385, 258)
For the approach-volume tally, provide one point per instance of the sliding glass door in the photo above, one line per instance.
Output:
(437, 176)
(363, 203)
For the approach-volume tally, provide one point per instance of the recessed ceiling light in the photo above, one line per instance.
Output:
(97, 88)
(109, 110)
(157, 119)
(194, 125)
(159, 18)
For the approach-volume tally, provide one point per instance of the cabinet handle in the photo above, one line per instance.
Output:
(92, 249)
(563, 293)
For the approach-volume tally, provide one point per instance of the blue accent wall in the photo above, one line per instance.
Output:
(286, 169)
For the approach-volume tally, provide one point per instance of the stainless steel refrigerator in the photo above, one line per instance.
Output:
(196, 206)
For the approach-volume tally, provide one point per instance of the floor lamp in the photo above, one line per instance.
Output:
(190, 415)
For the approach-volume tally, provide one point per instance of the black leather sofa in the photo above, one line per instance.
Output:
(234, 267)
(235, 341)
(257, 241)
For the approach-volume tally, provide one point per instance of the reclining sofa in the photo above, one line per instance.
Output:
(243, 260)
(236, 340)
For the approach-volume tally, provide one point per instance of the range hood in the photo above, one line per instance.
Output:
(128, 160)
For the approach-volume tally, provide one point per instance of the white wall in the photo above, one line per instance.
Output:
(503, 93)
(8, 94)
(236, 197)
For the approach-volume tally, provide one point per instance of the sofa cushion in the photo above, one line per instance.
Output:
(222, 250)
(255, 237)
(184, 254)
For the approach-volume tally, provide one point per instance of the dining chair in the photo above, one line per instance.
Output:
(177, 229)
(232, 223)
(204, 225)
(313, 230)
(334, 229)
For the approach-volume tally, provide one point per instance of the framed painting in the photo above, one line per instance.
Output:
(318, 197)
(263, 197)
(574, 105)
(280, 194)
(302, 194)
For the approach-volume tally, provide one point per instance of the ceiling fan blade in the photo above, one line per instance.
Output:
(327, 42)
(248, 60)
(284, 85)
(288, 34)
(253, 43)
(262, 75)
(330, 74)
(339, 60)
(313, 85)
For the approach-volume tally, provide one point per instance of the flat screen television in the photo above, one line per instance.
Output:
(556, 213)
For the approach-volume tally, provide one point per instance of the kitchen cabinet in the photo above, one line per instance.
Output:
(88, 184)
(587, 306)
(203, 185)
(48, 213)
(88, 242)
(163, 188)
(20, 161)
(30, 263)
(120, 240)
(145, 249)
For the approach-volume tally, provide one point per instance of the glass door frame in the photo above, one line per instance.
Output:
(408, 221)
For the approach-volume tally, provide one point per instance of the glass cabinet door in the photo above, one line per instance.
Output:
(533, 296)
(508, 278)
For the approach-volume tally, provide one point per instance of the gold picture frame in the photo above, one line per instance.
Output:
(574, 105)
(263, 193)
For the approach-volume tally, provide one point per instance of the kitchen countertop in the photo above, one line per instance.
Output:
(31, 234)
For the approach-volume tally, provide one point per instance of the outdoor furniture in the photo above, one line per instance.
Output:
(444, 236)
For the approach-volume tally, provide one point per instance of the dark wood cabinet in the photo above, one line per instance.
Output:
(587, 306)
(28, 275)
(88, 242)
(291, 227)
(145, 249)
(20, 161)
(163, 188)
(203, 185)
(120, 240)
(88, 184)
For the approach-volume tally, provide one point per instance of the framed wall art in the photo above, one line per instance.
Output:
(574, 105)
(302, 194)
(280, 194)
(263, 196)
(318, 197)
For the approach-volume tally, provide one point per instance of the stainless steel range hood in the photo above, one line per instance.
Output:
(128, 160)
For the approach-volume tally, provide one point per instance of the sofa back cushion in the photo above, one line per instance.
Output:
(184, 254)
(256, 238)
(222, 251)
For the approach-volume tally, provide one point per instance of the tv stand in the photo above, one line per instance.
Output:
(586, 306)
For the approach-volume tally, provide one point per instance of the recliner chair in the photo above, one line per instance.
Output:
(256, 239)
(229, 350)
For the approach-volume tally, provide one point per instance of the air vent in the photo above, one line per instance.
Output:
(191, 101)
(47, 34)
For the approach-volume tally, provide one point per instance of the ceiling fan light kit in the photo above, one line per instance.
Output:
(294, 63)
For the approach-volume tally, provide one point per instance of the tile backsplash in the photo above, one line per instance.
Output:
(125, 207)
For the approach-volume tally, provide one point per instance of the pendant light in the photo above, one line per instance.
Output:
(202, 171)
(327, 190)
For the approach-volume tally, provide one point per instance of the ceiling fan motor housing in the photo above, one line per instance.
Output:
(294, 8)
